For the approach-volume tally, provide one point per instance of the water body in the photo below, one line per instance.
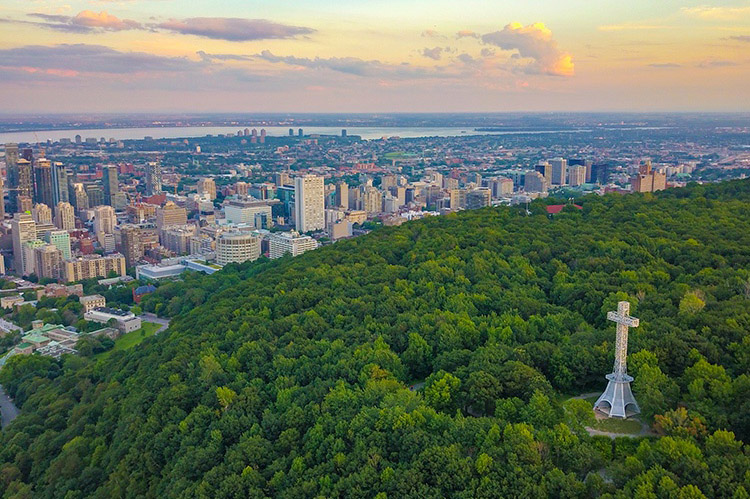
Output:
(33, 137)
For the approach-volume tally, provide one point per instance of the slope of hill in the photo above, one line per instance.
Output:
(290, 378)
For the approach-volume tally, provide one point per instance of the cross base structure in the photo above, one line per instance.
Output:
(617, 401)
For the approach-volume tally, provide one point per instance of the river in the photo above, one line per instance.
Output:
(175, 132)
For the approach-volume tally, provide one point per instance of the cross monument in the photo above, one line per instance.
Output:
(618, 397)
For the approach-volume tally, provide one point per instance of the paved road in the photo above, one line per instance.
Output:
(8, 410)
(147, 317)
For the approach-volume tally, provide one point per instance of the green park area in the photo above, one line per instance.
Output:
(133, 338)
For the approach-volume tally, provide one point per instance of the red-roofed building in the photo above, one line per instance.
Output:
(554, 209)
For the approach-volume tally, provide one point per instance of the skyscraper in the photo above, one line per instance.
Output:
(153, 178)
(309, 203)
(24, 230)
(43, 190)
(131, 245)
(111, 184)
(59, 183)
(65, 218)
(342, 194)
(48, 261)
(2, 199)
(559, 171)
(104, 220)
(19, 176)
(61, 240)
(42, 214)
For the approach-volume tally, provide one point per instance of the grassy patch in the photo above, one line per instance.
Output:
(131, 339)
(614, 425)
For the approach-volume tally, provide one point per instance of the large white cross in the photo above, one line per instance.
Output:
(624, 321)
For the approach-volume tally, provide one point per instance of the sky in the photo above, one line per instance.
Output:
(100, 56)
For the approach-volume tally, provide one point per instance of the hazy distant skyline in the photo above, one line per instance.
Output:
(373, 56)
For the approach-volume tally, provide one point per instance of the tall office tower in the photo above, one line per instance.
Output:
(372, 200)
(282, 179)
(559, 171)
(170, 215)
(47, 262)
(131, 245)
(111, 184)
(309, 203)
(153, 178)
(586, 163)
(577, 175)
(458, 198)
(22, 183)
(65, 217)
(207, 187)
(342, 194)
(343, 132)
(291, 132)
(355, 199)
(535, 182)
(24, 230)
(2, 199)
(42, 214)
(388, 181)
(104, 220)
(478, 198)
(237, 247)
(60, 239)
(545, 169)
(241, 188)
(59, 183)
(95, 194)
(11, 166)
(43, 188)
(80, 197)
(300, 132)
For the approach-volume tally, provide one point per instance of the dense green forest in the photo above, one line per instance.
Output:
(291, 378)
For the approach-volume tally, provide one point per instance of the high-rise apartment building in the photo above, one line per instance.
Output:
(48, 262)
(60, 239)
(577, 175)
(478, 198)
(372, 200)
(153, 178)
(559, 171)
(237, 247)
(95, 195)
(80, 197)
(207, 188)
(42, 214)
(104, 220)
(169, 215)
(648, 180)
(342, 195)
(282, 179)
(86, 267)
(535, 182)
(281, 243)
(247, 211)
(457, 198)
(130, 245)
(111, 184)
(24, 230)
(65, 217)
(309, 203)
(241, 188)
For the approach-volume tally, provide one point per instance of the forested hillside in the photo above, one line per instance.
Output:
(291, 378)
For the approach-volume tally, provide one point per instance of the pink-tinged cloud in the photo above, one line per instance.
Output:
(533, 42)
(741, 38)
(233, 29)
(85, 21)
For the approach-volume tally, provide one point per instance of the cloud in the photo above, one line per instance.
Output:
(741, 38)
(95, 59)
(431, 33)
(717, 13)
(85, 21)
(353, 66)
(533, 42)
(487, 52)
(716, 63)
(223, 57)
(233, 29)
(664, 65)
(466, 58)
(433, 53)
(465, 33)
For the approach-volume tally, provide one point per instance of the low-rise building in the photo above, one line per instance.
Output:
(89, 266)
(281, 243)
(126, 321)
(91, 302)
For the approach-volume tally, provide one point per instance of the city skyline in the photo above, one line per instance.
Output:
(86, 56)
